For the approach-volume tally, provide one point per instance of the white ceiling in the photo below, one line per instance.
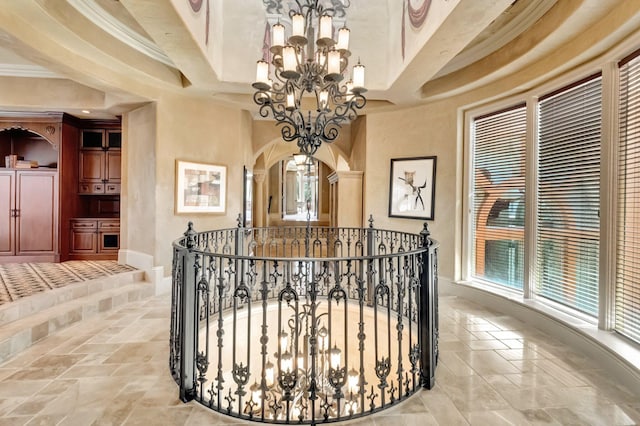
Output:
(152, 30)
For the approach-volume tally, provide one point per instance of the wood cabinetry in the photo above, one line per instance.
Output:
(99, 161)
(29, 214)
(78, 177)
(94, 238)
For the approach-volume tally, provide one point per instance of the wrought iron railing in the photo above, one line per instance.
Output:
(303, 324)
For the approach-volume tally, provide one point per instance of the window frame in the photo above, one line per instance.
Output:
(608, 193)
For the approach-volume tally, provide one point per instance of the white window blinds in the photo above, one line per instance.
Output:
(569, 130)
(627, 309)
(498, 202)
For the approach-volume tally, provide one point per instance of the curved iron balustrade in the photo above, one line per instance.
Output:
(303, 324)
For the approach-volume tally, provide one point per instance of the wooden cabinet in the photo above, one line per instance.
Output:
(84, 238)
(94, 238)
(99, 162)
(29, 214)
(7, 209)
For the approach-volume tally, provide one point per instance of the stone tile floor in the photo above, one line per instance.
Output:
(494, 370)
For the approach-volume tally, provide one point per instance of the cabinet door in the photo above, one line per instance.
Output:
(37, 204)
(109, 242)
(84, 236)
(112, 166)
(7, 207)
(91, 166)
(84, 242)
(114, 139)
(92, 139)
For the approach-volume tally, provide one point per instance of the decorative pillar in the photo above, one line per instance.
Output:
(291, 195)
(346, 198)
(259, 209)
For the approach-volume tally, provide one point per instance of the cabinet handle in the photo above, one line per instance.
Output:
(15, 213)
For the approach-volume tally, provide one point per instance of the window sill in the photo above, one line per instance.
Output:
(615, 353)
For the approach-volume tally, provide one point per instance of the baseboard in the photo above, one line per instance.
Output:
(617, 356)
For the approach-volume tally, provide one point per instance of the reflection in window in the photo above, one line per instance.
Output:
(568, 222)
(499, 158)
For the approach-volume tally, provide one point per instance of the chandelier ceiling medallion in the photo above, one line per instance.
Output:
(301, 84)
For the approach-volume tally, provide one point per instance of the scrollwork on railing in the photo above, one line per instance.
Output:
(303, 324)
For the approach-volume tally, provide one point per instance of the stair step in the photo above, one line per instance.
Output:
(37, 319)
(37, 302)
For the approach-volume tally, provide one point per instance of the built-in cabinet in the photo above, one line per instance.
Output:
(99, 162)
(29, 214)
(97, 238)
(68, 205)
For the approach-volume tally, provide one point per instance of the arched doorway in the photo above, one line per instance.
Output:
(298, 189)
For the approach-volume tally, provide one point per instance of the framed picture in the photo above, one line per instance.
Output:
(247, 198)
(412, 187)
(200, 188)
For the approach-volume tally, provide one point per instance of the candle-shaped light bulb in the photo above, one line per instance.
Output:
(333, 65)
(286, 362)
(358, 75)
(262, 72)
(334, 354)
(323, 100)
(321, 58)
(352, 381)
(343, 39)
(289, 61)
(291, 100)
(297, 24)
(326, 27)
(269, 373)
(256, 395)
(301, 359)
(277, 35)
(284, 337)
(323, 340)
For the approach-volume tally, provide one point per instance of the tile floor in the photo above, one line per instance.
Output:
(18, 280)
(494, 370)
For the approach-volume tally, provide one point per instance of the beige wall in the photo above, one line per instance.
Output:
(185, 129)
(420, 131)
(138, 195)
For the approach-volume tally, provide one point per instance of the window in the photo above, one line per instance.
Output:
(568, 224)
(498, 206)
(627, 300)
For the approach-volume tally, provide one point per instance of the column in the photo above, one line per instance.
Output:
(346, 198)
(259, 209)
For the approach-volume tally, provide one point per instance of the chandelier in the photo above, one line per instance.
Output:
(304, 93)
(299, 372)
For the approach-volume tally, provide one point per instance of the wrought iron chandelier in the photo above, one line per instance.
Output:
(304, 93)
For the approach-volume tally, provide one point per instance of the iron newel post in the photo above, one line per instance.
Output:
(189, 320)
(427, 313)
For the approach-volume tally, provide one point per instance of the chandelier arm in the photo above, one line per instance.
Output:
(291, 124)
(327, 128)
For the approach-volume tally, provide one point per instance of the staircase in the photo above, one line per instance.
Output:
(30, 319)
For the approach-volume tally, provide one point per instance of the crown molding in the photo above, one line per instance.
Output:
(531, 13)
(23, 70)
(103, 19)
